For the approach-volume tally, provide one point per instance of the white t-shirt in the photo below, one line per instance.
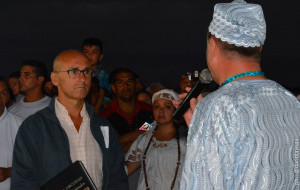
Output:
(9, 124)
(19, 97)
(25, 109)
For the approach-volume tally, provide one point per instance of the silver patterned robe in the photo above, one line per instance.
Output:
(245, 135)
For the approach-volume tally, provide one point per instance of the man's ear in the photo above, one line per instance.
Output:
(260, 49)
(53, 77)
(214, 47)
(211, 49)
(41, 79)
(101, 57)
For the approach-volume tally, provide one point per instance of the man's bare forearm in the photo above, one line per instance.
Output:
(128, 138)
(5, 173)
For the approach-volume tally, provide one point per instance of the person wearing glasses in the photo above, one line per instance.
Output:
(32, 77)
(66, 131)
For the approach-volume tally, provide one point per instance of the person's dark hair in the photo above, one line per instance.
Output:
(47, 79)
(2, 79)
(93, 42)
(39, 68)
(15, 74)
(228, 49)
(114, 73)
(53, 90)
(145, 92)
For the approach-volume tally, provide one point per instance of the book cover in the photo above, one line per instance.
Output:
(74, 177)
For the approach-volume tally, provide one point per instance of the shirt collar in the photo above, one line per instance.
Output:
(61, 109)
(4, 114)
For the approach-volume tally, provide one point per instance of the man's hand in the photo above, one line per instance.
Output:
(184, 83)
(4, 174)
(128, 138)
(193, 103)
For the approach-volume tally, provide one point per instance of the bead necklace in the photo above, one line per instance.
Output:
(253, 73)
(144, 161)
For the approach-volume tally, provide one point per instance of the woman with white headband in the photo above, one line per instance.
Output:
(161, 150)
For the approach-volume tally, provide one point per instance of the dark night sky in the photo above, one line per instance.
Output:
(160, 40)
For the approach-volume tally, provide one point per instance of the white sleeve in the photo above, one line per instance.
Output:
(138, 147)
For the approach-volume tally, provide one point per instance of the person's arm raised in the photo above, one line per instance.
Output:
(193, 103)
(128, 138)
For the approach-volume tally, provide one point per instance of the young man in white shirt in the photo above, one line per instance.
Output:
(32, 76)
(9, 124)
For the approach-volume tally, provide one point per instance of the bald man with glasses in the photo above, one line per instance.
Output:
(66, 131)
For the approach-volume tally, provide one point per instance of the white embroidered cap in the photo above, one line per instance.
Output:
(239, 23)
(165, 94)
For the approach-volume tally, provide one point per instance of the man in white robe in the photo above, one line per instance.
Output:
(246, 134)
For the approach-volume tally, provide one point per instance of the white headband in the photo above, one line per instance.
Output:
(165, 94)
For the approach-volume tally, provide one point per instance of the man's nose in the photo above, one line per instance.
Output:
(20, 78)
(82, 76)
(88, 55)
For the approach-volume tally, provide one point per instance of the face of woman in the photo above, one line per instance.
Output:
(13, 84)
(162, 111)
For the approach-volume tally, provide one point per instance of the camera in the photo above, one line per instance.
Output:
(193, 76)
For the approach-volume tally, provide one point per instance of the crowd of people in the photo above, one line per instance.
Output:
(240, 133)
(121, 98)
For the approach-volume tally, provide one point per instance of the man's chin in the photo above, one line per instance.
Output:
(79, 95)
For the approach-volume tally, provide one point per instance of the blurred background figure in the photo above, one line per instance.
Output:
(144, 96)
(184, 82)
(188, 80)
(49, 89)
(13, 84)
(92, 97)
(154, 87)
(139, 84)
(296, 92)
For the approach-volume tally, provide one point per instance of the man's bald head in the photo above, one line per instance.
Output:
(76, 86)
(65, 56)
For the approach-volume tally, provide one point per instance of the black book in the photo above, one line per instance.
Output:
(73, 177)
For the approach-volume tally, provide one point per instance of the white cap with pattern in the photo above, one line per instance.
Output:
(165, 94)
(239, 23)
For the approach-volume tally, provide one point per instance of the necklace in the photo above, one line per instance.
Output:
(252, 73)
(144, 161)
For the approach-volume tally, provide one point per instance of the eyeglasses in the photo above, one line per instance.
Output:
(75, 73)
